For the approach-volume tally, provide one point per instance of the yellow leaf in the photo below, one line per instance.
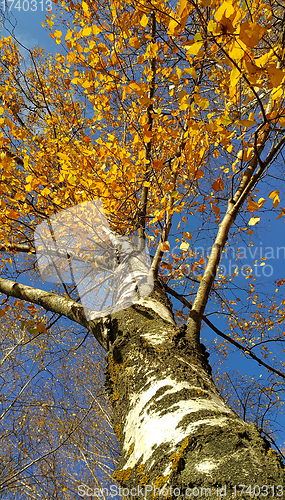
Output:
(247, 123)
(85, 8)
(262, 60)
(199, 174)
(277, 94)
(137, 88)
(274, 195)
(63, 156)
(33, 331)
(181, 94)
(172, 26)
(68, 35)
(204, 103)
(184, 246)
(164, 246)
(86, 84)
(71, 57)
(182, 5)
(253, 221)
(134, 42)
(194, 49)
(95, 30)
(261, 201)
(86, 31)
(103, 48)
(144, 21)
(191, 72)
(2, 313)
(226, 9)
(237, 50)
(235, 76)
(50, 23)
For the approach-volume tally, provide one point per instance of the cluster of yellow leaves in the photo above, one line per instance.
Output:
(118, 117)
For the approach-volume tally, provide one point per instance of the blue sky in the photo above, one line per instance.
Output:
(29, 32)
(27, 24)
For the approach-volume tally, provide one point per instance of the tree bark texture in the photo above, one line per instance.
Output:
(175, 430)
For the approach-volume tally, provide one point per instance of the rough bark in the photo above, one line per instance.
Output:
(175, 430)
(178, 437)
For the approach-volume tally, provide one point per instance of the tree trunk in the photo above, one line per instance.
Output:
(178, 437)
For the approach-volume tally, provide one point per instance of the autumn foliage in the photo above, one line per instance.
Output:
(161, 110)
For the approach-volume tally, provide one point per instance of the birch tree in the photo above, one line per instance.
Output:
(163, 112)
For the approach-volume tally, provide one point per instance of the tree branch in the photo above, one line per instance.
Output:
(223, 335)
(54, 303)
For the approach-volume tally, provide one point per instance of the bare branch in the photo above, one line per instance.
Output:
(246, 350)
(52, 302)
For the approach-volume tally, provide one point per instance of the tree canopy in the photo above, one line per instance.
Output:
(173, 114)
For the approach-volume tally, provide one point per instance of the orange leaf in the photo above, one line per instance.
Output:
(216, 210)
(157, 164)
(253, 205)
(188, 235)
(276, 75)
(13, 214)
(218, 185)
(273, 194)
(41, 328)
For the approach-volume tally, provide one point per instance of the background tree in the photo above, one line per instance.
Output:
(171, 114)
